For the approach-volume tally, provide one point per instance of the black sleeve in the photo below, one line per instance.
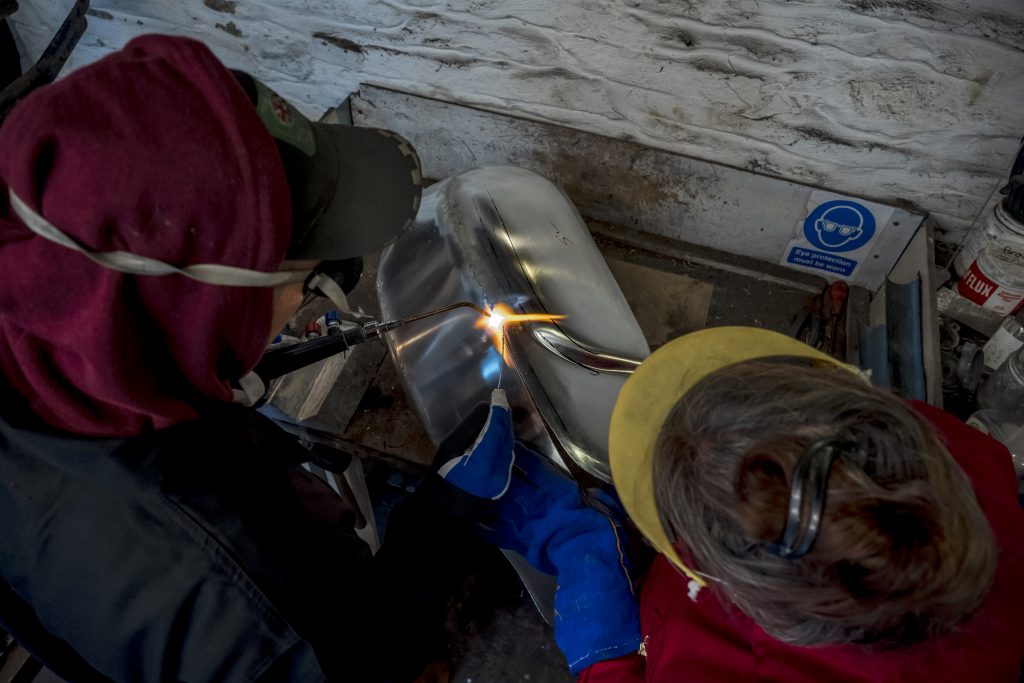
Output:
(430, 551)
(198, 553)
(204, 552)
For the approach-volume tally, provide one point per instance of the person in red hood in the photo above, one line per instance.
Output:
(811, 527)
(160, 220)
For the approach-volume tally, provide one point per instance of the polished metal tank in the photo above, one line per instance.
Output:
(502, 234)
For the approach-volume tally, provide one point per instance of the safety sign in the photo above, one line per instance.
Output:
(836, 235)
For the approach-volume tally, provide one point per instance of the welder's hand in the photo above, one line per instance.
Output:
(543, 517)
(485, 468)
(537, 511)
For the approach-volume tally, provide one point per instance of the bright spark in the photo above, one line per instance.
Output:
(500, 315)
(495, 322)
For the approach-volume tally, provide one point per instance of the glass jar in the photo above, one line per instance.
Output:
(1007, 432)
(1004, 390)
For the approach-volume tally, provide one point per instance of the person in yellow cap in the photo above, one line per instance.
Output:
(809, 527)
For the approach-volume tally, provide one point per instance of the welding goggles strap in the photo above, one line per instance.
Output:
(134, 264)
(249, 390)
(811, 472)
(321, 282)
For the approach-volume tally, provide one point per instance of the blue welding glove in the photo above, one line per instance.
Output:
(485, 468)
(538, 513)
(543, 518)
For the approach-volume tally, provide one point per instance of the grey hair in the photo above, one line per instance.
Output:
(904, 551)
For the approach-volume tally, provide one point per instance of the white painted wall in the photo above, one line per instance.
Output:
(918, 101)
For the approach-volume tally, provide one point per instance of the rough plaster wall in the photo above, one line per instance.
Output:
(905, 101)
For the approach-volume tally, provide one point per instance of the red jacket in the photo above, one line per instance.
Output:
(707, 641)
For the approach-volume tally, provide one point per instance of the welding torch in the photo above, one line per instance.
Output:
(281, 361)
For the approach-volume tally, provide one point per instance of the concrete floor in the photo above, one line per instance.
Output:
(496, 635)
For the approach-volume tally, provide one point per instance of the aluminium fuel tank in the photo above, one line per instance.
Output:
(505, 235)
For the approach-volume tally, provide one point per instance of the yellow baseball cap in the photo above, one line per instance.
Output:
(652, 392)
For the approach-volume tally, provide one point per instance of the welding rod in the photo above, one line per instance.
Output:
(277, 362)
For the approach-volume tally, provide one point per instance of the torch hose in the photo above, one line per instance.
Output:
(281, 361)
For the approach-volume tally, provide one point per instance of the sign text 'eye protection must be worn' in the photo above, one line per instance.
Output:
(837, 235)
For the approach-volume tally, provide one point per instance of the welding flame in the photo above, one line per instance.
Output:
(500, 315)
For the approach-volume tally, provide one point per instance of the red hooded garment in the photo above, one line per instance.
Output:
(180, 169)
(707, 640)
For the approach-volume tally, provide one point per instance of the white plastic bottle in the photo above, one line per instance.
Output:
(1007, 339)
